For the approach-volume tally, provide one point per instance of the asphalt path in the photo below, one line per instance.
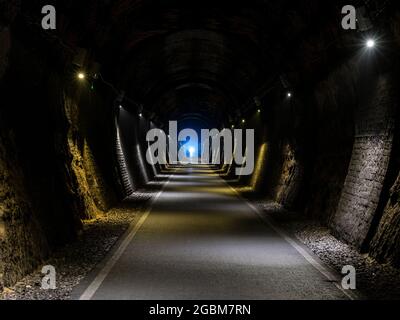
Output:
(201, 241)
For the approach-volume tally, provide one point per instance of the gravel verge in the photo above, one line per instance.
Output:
(74, 261)
(374, 281)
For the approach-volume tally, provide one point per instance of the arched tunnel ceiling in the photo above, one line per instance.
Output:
(204, 47)
(198, 58)
(234, 49)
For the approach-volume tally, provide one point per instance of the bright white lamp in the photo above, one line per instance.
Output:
(370, 43)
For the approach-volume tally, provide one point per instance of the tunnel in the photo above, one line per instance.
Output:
(234, 150)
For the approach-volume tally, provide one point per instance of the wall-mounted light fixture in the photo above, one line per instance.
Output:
(140, 111)
(81, 75)
(370, 43)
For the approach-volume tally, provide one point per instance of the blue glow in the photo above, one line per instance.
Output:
(190, 149)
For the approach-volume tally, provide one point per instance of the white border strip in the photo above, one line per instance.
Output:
(133, 229)
(330, 276)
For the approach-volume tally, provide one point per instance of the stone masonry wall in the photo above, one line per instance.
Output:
(368, 165)
(385, 246)
(331, 142)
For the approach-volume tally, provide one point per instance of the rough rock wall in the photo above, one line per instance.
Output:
(18, 249)
(51, 159)
(89, 187)
(99, 189)
(256, 183)
(4, 49)
(285, 137)
(291, 178)
(284, 173)
(22, 245)
(258, 176)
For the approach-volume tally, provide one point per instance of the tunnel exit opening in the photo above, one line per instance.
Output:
(182, 147)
